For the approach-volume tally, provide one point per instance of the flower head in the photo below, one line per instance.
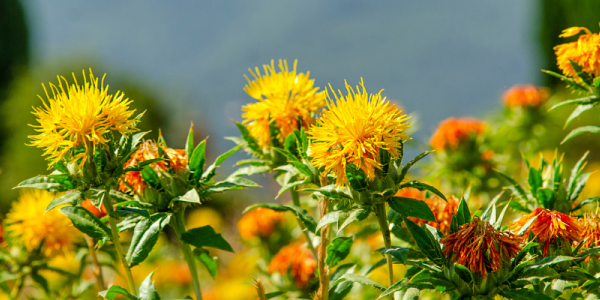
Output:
(29, 222)
(176, 160)
(453, 131)
(478, 246)
(287, 98)
(353, 130)
(590, 230)
(527, 95)
(260, 222)
(79, 116)
(297, 258)
(585, 52)
(548, 226)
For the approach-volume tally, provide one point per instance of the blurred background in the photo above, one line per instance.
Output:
(184, 61)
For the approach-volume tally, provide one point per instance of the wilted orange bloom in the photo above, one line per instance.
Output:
(478, 246)
(441, 209)
(454, 130)
(259, 222)
(590, 230)
(585, 52)
(548, 226)
(175, 159)
(99, 213)
(525, 95)
(297, 258)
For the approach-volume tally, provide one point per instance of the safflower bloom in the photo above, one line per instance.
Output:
(29, 222)
(452, 131)
(353, 129)
(527, 95)
(176, 159)
(297, 258)
(548, 226)
(479, 247)
(259, 222)
(590, 230)
(441, 209)
(286, 97)
(585, 52)
(79, 115)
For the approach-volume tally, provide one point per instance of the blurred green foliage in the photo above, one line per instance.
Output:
(19, 161)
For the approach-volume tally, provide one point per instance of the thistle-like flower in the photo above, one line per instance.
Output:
(259, 222)
(590, 230)
(29, 222)
(287, 98)
(585, 52)
(527, 95)
(548, 226)
(299, 260)
(453, 131)
(478, 246)
(353, 129)
(441, 209)
(77, 118)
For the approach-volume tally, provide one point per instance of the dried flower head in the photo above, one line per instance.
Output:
(527, 95)
(585, 52)
(453, 131)
(548, 226)
(299, 260)
(478, 246)
(353, 129)
(259, 222)
(79, 116)
(287, 98)
(29, 222)
(175, 160)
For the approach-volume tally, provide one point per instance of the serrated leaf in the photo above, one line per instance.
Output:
(358, 279)
(424, 243)
(400, 254)
(208, 261)
(578, 101)
(520, 191)
(190, 196)
(338, 250)
(289, 186)
(330, 191)
(549, 261)
(534, 179)
(405, 169)
(581, 130)
(250, 141)
(189, 143)
(68, 198)
(86, 222)
(463, 215)
(357, 214)
(42, 183)
(523, 294)
(463, 273)
(545, 197)
(147, 290)
(412, 208)
(210, 171)
(329, 218)
(577, 112)
(115, 290)
(145, 236)
(198, 158)
(206, 236)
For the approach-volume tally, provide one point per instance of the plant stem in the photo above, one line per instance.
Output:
(296, 202)
(323, 270)
(14, 294)
(117, 241)
(98, 271)
(387, 240)
(177, 222)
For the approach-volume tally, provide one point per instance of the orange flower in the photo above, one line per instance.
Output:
(176, 160)
(441, 209)
(452, 131)
(590, 230)
(525, 95)
(259, 222)
(548, 226)
(299, 259)
(478, 246)
(99, 213)
(585, 52)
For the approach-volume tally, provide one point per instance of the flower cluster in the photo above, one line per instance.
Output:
(299, 260)
(259, 222)
(527, 95)
(453, 131)
(585, 52)
(442, 210)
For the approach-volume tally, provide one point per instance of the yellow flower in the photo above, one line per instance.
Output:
(585, 52)
(29, 222)
(284, 97)
(352, 130)
(79, 115)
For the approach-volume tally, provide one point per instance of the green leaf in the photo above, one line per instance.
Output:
(198, 159)
(332, 217)
(545, 197)
(302, 168)
(422, 187)
(463, 273)
(357, 214)
(208, 261)
(250, 141)
(412, 208)
(549, 261)
(206, 236)
(519, 257)
(534, 179)
(411, 291)
(289, 186)
(489, 215)
(250, 170)
(86, 222)
(147, 290)
(41, 182)
(189, 143)
(210, 171)
(412, 162)
(190, 196)
(463, 215)
(274, 294)
(523, 294)
(578, 101)
(586, 201)
(123, 211)
(68, 198)
(115, 290)
(235, 183)
(356, 177)
(520, 191)
(400, 254)
(581, 130)
(358, 279)
(526, 226)
(330, 191)
(578, 111)
(300, 212)
(338, 250)
(145, 236)
(149, 175)
(427, 246)
(576, 172)
(498, 223)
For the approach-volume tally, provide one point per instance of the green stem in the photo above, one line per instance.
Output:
(387, 239)
(14, 294)
(98, 271)
(117, 241)
(296, 202)
(177, 222)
